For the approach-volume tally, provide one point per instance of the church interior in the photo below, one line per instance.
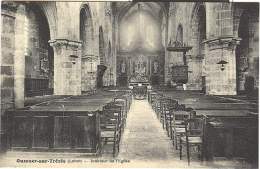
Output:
(173, 82)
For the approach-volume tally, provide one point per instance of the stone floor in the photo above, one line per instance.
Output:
(144, 138)
(144, 144)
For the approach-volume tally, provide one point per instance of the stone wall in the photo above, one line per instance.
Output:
(222, 21)
(184, 14)
(7, 57)
(37, 33)
(63, 19)
(246, 19)
(68, 28)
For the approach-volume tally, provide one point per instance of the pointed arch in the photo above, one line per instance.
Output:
(198, 28)
(39, 57)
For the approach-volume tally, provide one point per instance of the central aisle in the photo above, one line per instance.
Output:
(146, 144)
(144, 138)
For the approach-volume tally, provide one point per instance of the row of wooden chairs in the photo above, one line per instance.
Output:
(113, 121)
(181, 123)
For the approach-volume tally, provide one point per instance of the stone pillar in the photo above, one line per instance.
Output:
(88, 72)
(8, 12)
(67, 67)
(221, 82)
(19, 55)
(116, 51)
(113, 52)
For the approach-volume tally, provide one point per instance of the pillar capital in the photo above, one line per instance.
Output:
(68, 44)
(70, 47)
(90, 57)
(227, 42)
(10, 6)
(10, 9)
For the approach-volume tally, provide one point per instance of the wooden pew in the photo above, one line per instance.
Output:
(230, 137)
(69, 130)
(71, 124)
(220, 106)
(238, 134)
(57, 126)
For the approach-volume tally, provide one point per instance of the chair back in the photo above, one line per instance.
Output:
(111, 116)
(181, 107)
(195, 126)
(173, 104)
(179, 118)
(113, 108)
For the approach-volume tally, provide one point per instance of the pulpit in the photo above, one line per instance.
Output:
(180, 72)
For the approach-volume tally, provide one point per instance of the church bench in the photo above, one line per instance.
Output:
(70, 130)
(239, 132)
(221, 112)
(231, 137)
(221, 106)
(71, 124)
(56, 126)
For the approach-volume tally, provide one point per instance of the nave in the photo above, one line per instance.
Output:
(144, 143)
(104, 82)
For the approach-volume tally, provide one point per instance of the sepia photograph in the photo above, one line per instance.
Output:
(129, 84)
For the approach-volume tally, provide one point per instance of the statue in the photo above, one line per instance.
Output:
(140, 68)
(123, 67)
(143, 69)
(155, 67)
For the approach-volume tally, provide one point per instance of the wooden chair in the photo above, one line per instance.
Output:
(123, 103)
(164, 104)
(168, 116)
(154, 104)
(158, 107)
(110, 126)
(178, 123)
(194, 130)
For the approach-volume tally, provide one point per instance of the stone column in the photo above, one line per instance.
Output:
(67, 67)
(221, 82)
(19, 55)
(116, 50)
(8, 12)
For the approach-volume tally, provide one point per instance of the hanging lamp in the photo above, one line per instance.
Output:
(222, 62)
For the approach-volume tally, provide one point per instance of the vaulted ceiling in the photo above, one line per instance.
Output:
(156, 9)
(140, 25)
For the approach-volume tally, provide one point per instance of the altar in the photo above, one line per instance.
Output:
(139, 84)
(140, 67)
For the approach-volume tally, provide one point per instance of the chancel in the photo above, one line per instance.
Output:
(169, 84)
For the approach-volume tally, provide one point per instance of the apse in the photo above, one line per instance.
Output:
(140, 30)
